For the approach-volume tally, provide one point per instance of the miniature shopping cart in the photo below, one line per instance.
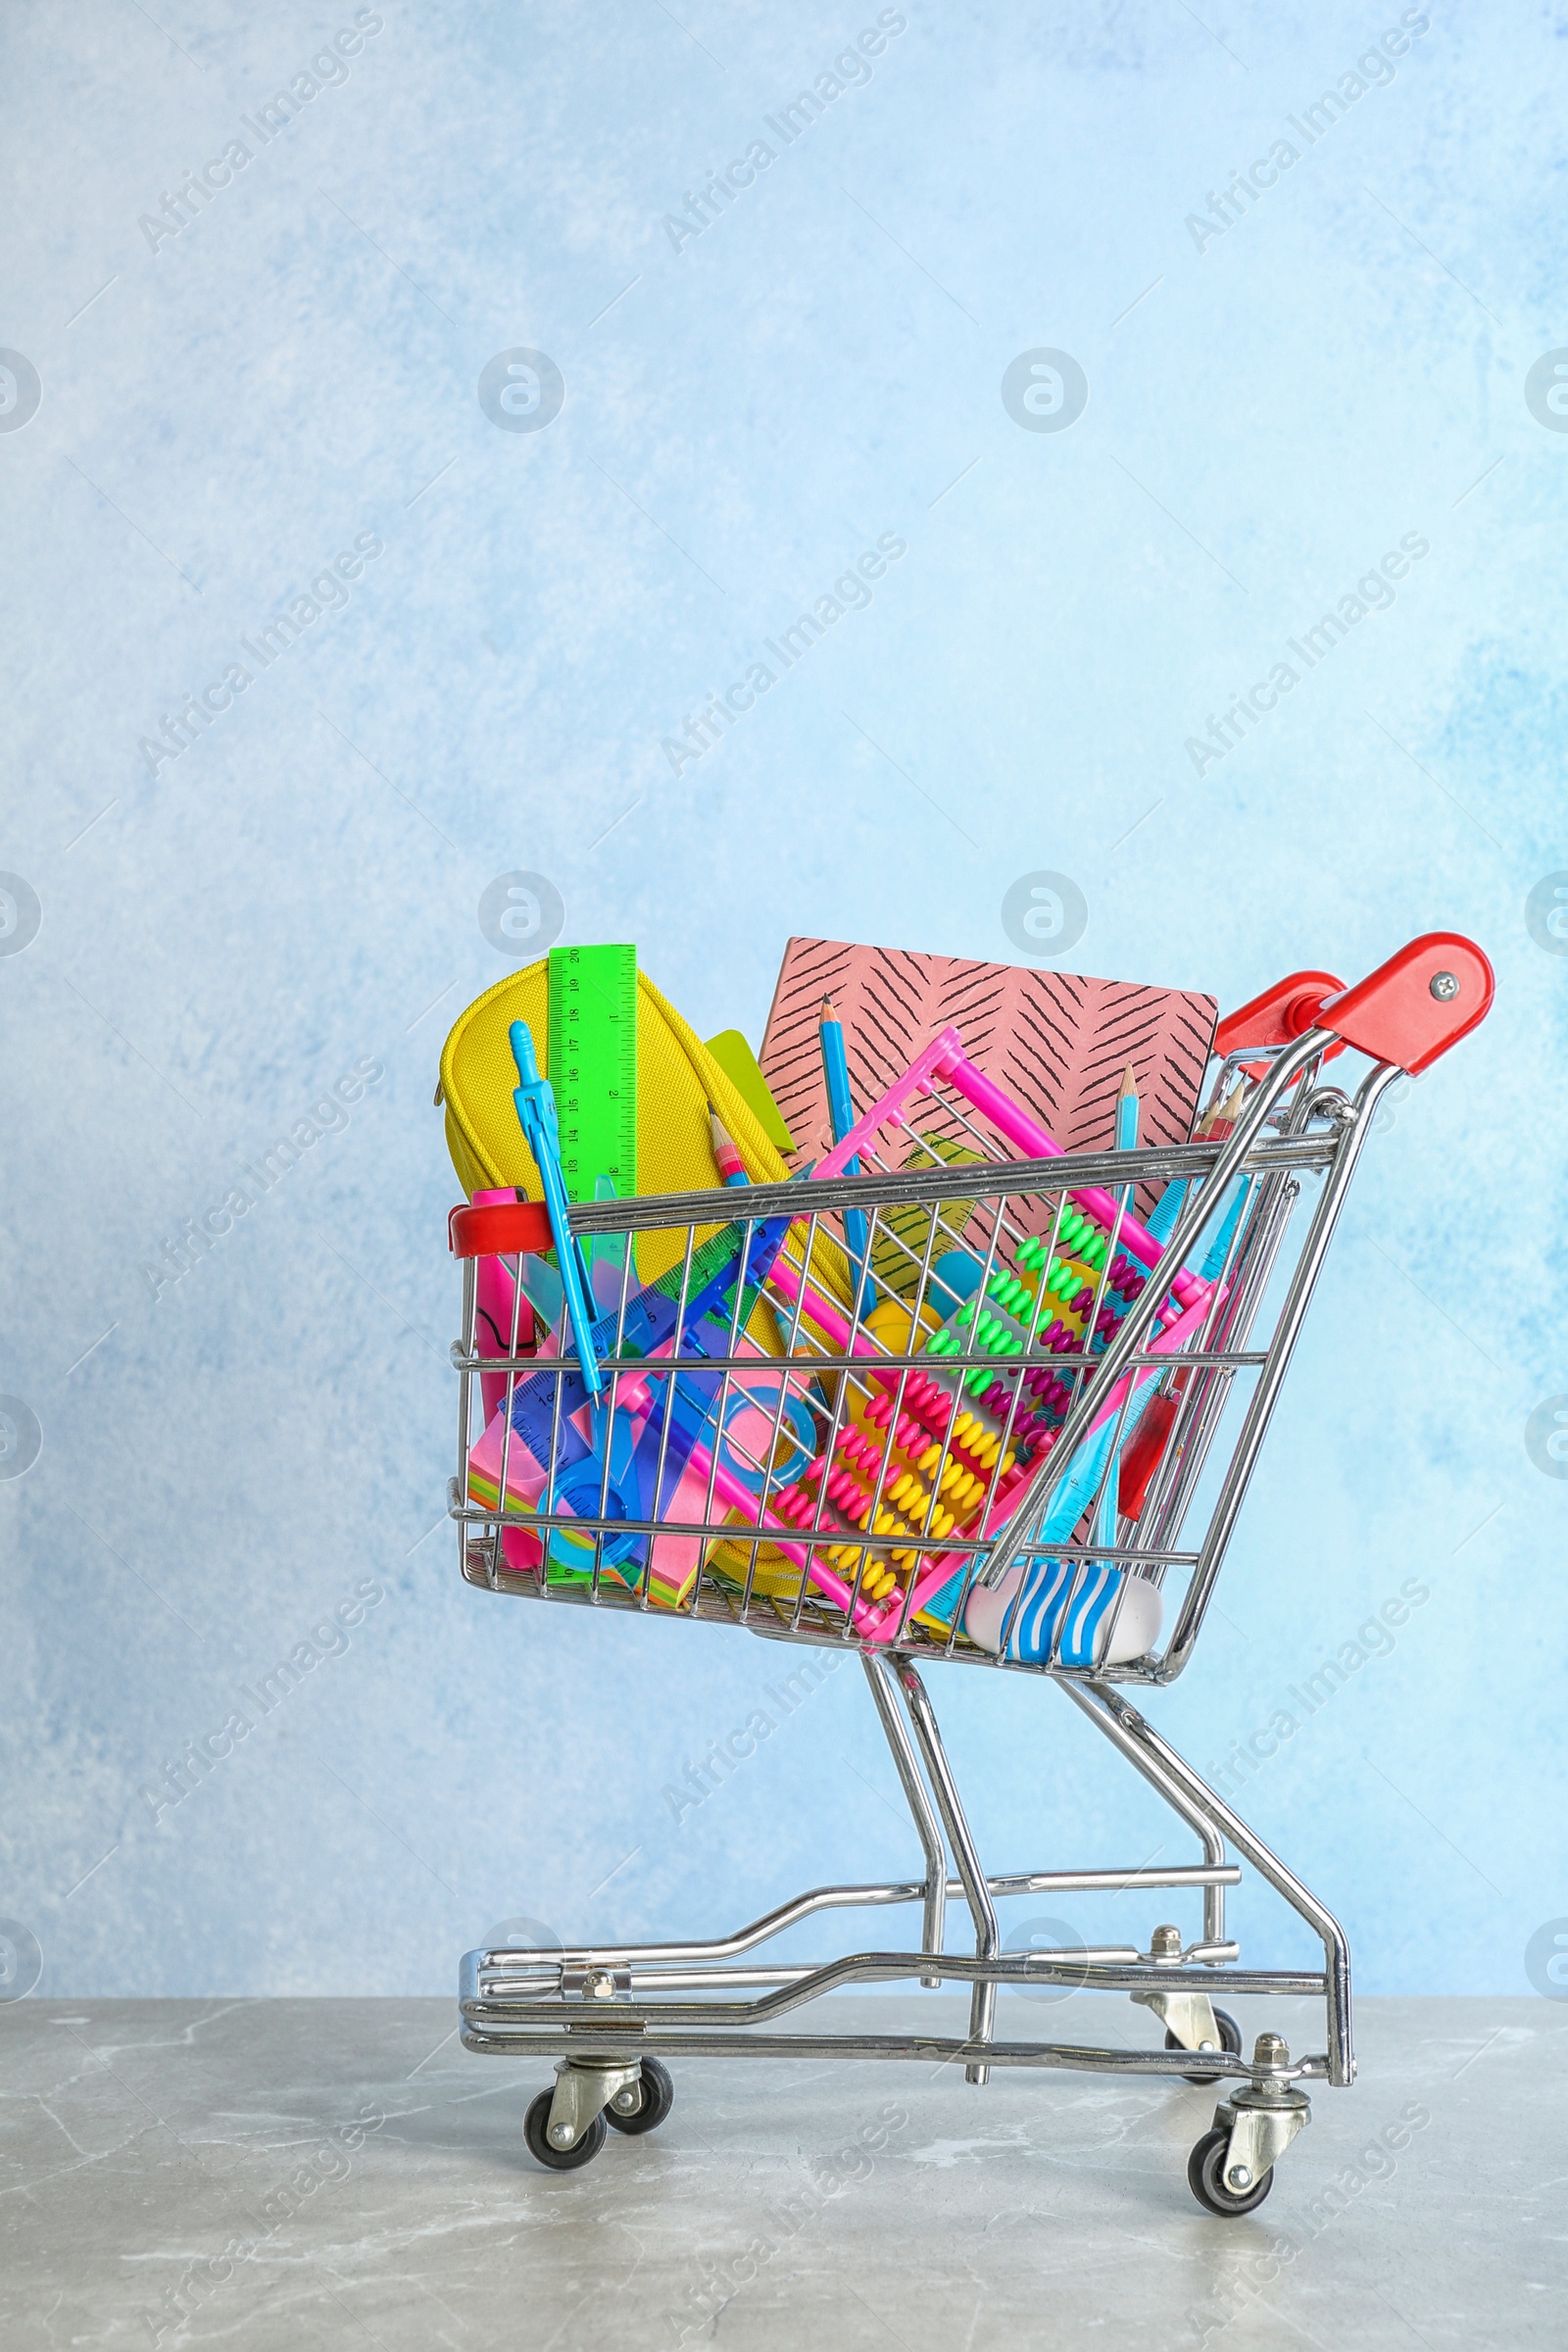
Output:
(980, 1402)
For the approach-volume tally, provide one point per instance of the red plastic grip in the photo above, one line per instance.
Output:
(499, 1229)
(1282, 1012)
(1407, 1012)
(1417, 1005)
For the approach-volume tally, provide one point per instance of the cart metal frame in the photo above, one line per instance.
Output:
(601, 2011)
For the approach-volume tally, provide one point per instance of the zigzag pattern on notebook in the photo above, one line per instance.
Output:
(1057, 1041)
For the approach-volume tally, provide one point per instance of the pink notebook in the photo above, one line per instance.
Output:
(1057, 1041)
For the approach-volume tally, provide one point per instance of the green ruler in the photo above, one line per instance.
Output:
(593, 1065)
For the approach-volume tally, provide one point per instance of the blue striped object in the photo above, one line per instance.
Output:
(1067, 1598)
(1161, 1218)
(1227, 1226)
(1084, 1612)
(1083, 1590)
(1069, 1499)
(1074, 1597)
(1161, 1221)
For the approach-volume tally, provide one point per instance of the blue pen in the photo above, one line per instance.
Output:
(841, 1111)
(535, 1104)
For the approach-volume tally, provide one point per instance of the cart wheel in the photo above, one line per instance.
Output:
(1230, 2036)
(1205, 2177)
(657, 2099)
(536, 2132)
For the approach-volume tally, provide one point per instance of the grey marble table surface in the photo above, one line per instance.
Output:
(300, 2173)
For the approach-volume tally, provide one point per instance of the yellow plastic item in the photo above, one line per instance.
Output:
(732, 1051)
(777, 1576)
(677, 1077)
(890, 1323)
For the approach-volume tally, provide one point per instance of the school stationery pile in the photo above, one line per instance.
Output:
(574, 1080)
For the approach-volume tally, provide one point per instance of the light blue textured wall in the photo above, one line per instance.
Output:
(294, 897)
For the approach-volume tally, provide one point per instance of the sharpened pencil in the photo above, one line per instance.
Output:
(1127, 1111)
(727, 1158)
(1220, 1117)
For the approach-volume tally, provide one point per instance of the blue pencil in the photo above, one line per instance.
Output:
(1127, 1111)
(841, 1111)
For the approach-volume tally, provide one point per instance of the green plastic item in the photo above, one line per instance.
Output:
(593, 1065)
(740, 1066)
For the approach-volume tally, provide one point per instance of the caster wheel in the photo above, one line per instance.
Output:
(1205, 2177)
(657, 2099)
(1230, 2034)
(536, 2132)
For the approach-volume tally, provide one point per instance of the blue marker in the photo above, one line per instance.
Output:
(535, 1104)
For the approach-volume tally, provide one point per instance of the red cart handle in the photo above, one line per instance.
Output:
(1281, 1015)
(1407, 1012)
(499, 1229)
